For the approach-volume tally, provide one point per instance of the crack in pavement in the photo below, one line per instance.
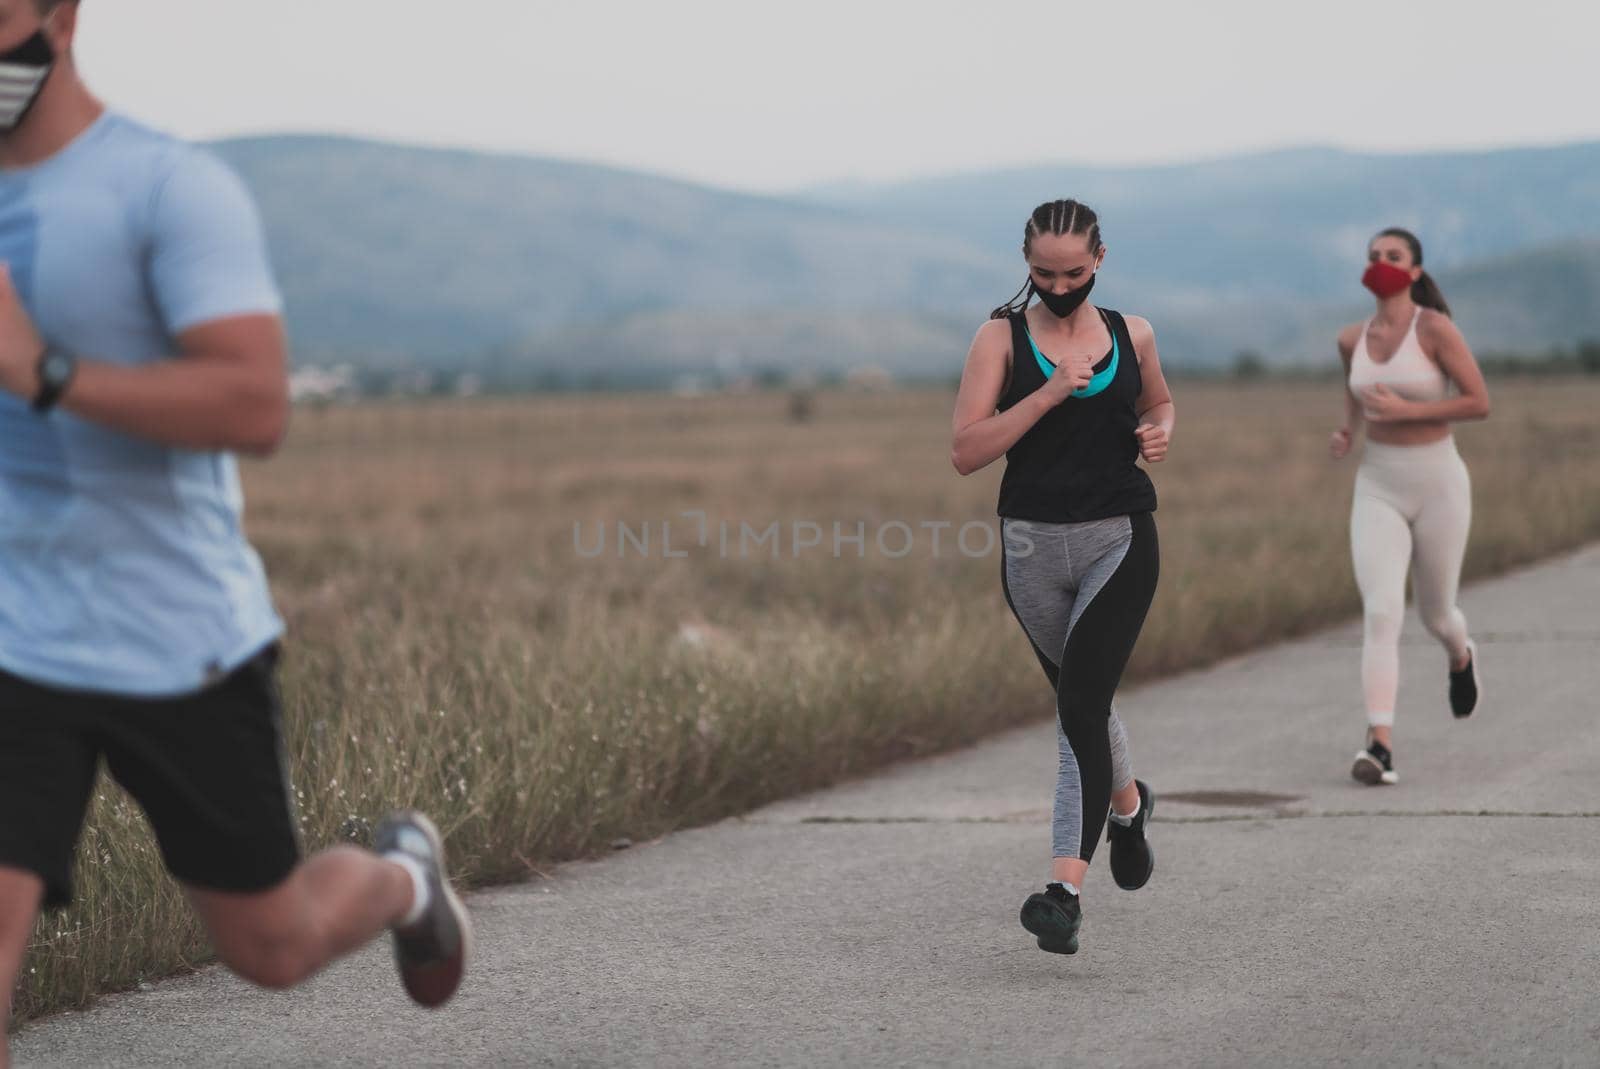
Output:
(1216, 818)
(1499, 638)
(1345, 814)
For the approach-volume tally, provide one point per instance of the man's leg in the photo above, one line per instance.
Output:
(209, 770)
(47, 771)
(20, 895)
(330, 905)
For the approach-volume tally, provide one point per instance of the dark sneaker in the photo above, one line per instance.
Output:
(1465, 690)
(432, 953)
(1054, 918)
(1132, 858)
(1374, 765)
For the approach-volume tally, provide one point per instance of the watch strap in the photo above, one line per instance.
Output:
(56, 370)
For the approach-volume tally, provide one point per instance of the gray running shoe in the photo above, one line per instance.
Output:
(432, 953)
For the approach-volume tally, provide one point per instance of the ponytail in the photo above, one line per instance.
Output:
(1016, 305)
(1426, 292)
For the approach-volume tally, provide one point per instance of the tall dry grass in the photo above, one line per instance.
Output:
(451, 648)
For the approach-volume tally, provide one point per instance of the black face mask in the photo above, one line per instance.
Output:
(23, 70)
(1062, 305)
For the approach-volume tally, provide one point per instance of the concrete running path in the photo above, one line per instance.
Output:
(1452, 920)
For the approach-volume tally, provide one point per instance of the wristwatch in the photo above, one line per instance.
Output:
(56, 369)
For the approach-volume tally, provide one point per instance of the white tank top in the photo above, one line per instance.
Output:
(1408, 372)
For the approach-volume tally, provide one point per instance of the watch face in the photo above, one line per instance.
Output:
(57, 367)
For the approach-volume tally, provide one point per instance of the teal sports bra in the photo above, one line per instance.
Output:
(1101, 379)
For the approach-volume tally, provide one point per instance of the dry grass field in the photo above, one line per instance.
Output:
(457, 645)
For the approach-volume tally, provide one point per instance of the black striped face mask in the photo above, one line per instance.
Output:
(23, 70)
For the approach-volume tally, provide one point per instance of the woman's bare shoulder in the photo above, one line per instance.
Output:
(1349, 334)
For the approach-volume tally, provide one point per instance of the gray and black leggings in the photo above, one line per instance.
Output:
(1081, 592)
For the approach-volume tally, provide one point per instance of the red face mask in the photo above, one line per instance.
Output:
(1386, 280)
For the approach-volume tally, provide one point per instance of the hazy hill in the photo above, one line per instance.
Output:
(1290, 223)
(392, 254)
(1524, 303)
(1516, 303)
(390, 250)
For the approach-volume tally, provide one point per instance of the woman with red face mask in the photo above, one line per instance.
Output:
(1410, 375)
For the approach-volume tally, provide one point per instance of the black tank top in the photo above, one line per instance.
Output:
(1080, 461)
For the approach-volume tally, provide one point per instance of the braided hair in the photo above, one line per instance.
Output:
(1054, 217)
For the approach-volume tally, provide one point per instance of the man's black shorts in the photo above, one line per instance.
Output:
(208, 769)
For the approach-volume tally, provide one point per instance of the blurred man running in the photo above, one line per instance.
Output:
(140, 347)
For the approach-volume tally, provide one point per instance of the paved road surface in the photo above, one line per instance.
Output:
(1453, 920)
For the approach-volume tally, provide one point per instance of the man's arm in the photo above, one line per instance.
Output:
(225, 384)
(226, 390)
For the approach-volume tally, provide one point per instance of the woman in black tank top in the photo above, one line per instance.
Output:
(1073, 396)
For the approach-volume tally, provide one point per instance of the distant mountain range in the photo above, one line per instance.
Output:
(398, 253)
(527, 267)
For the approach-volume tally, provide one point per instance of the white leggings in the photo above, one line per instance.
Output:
(1413, 504)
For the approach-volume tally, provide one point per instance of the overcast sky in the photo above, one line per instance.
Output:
(778, 95)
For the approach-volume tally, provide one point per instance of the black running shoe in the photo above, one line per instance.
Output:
(1465, 690)
(1374, 765)
(432, 953)
(1132, 857)
(1054, 918)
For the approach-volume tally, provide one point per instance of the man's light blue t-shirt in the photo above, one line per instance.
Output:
(124, 567)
